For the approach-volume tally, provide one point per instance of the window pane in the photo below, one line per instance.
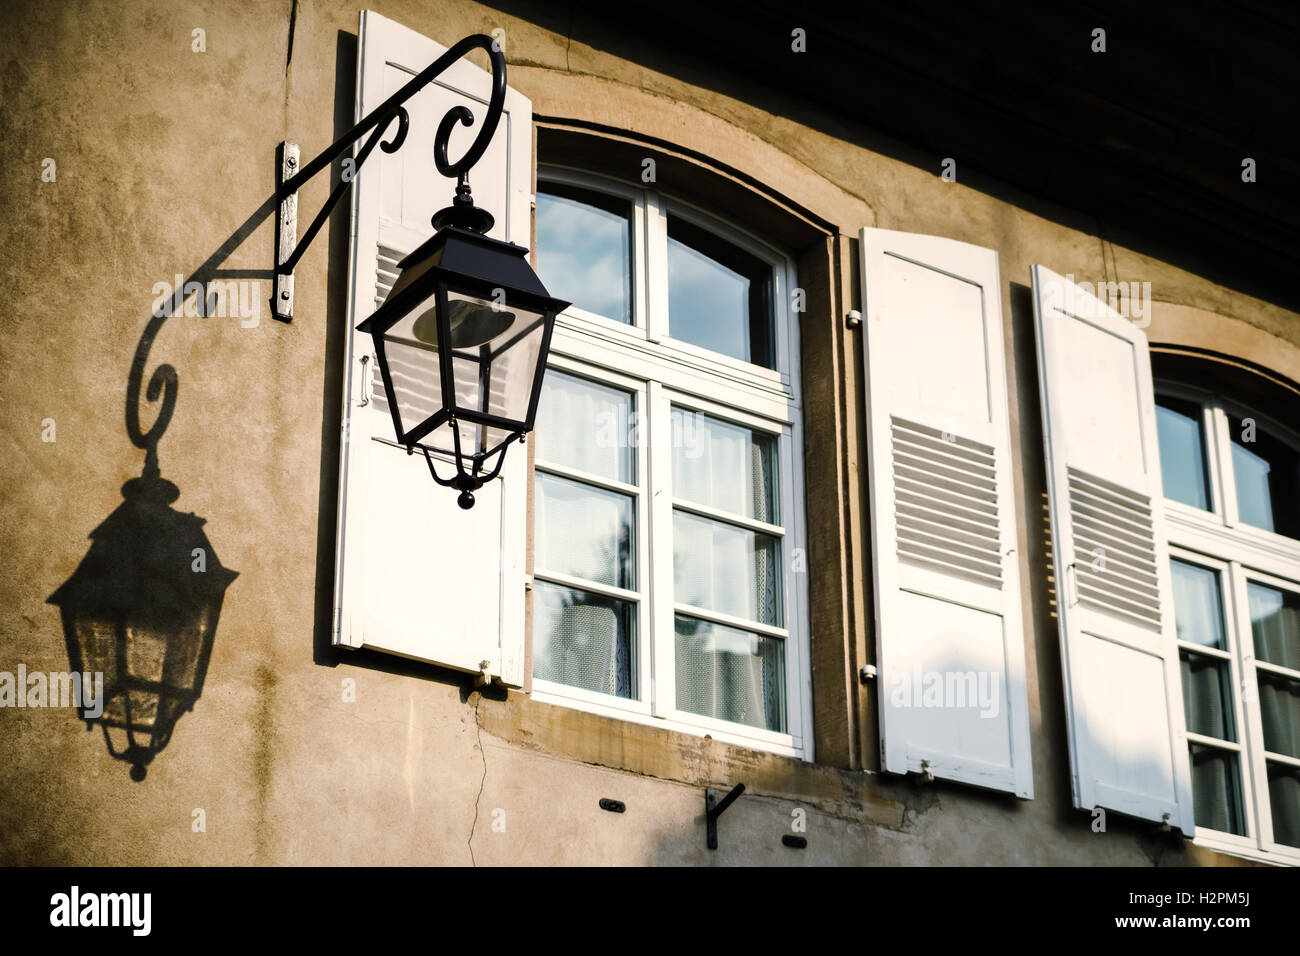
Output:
(1279, 713)
(1198, 607)
(1267, 474)
(584, 532)
(728, 569)
(587, 426)
(1216, 789)
(1207, 696)
(584, 640)
(1284, 799)
(719, 296)
(1182, 452)
(725, 466)
(730, 674)
(584, 249)
(1275, 625)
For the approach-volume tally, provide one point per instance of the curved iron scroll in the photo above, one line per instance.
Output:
(163, 384)
(381, 116)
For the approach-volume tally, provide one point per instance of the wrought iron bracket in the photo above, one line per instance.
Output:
(714, 808)
(291, 176)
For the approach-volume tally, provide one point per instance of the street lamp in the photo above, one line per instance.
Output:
(462, 338)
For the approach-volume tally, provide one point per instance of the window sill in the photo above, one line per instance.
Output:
(636, 712)
(650, 748)
(1245, 849)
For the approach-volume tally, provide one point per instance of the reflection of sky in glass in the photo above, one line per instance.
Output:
(584, 255)
(1182, 459)
(1198, 612)
(708, 304)
(584, 532)
(586, 426)
(724, 568)
(722, 465)
(1254, 501)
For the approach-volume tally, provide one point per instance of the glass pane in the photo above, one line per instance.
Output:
(1284, 799)
(1182, 451)
(728, 569)
(1275, 625)
(586, 426)
(719, 296)
(1279, 713)
(584, 249)
(1267, 473)
(730, 674)
(725, 466)
(1207, 696)
(584, 640)
(1216, 789)
(584, 532)
(1198, 605)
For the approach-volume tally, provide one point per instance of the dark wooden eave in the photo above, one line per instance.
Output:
(1142, 144)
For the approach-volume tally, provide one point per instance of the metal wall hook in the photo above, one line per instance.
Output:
(713, 808)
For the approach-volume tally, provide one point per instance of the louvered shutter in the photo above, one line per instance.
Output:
(417, 576)
(1123, 690)
(948, 622)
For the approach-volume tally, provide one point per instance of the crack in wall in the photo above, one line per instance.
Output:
(478, 736)
(293, 21)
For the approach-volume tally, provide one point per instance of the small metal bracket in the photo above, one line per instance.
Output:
(714, 808)
(484, 677)
(1165, 825)
(286, 234)
(867, 673)
(853, 319)
(927, 772)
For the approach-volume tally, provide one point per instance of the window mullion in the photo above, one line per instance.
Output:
(1222, 443)
(659, 505)
(656, 265)
(1255, 771)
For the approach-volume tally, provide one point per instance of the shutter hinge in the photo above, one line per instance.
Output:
(853, 319)
(867, 672)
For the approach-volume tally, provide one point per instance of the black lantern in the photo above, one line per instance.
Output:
(462, 338)
(461, 342)
(142, 610)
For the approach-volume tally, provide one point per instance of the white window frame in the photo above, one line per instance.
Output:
(1241, 554)
(662, 372)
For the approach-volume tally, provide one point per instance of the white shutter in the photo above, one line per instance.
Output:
(943, 513)
(417, 576)
(1119, 652)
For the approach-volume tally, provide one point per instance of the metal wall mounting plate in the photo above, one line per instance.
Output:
(286, 233)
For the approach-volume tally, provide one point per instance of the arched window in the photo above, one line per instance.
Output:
(1231, 471)
(668, 502)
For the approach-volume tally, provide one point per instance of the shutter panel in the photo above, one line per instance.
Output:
(1123, 690)
(417, 576)
(943, 513)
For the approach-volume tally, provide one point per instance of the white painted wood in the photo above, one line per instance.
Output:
(1123, 688)
(946, 571)
(417, 576)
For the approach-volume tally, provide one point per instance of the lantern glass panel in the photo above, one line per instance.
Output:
(411, 351)
(497, 349)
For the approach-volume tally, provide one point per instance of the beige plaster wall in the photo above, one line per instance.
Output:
(163, 158)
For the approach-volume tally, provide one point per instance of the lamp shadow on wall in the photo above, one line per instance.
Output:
(142, 607)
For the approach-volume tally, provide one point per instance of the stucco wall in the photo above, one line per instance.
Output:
(165, 160)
